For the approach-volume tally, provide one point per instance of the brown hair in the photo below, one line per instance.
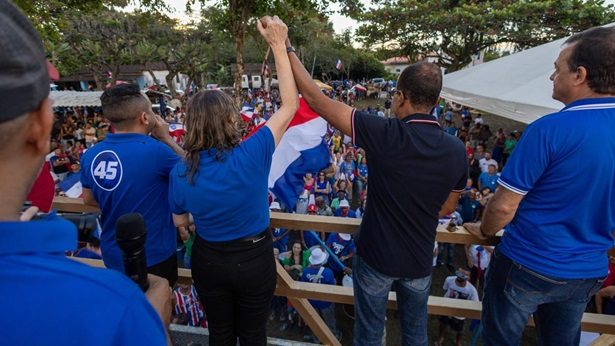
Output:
(212, 123)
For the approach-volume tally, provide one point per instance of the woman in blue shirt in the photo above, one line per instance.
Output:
(223, 184)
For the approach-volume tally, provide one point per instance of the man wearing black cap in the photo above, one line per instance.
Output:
(32, 262)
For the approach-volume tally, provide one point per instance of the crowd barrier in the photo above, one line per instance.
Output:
(298, 293)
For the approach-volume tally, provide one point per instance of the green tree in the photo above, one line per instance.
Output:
(452, 31)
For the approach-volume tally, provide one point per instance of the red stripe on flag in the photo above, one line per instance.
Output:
(303, 115)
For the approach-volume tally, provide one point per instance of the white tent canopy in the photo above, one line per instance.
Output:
(75, 98)
(515, 86)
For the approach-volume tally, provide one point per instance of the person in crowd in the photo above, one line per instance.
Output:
(554, 251)
(341, 196)
(509, 146)
(489, 178)
(90, 135)
(361, 209)
(485, 135)
(317, 273)
(310, 238)
(479, 153)
(487, 161)
(129, 172)
(498, 146)
(279, 235)
(474, 171)
(322, 208)
(322, 187)
(361, 179)
(308, 182)
(187, 302)
(295, 259)
(343, 247)
(60, 163)
(469, 149)
(478, 257)
(469, 205)
(456, 287)
(475, 135)
(416, 174)
(214, 170)
(73, 177)
(344, 210)
(32, 254)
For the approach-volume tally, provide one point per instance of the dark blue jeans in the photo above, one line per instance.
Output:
(371, 293)
(514, 292)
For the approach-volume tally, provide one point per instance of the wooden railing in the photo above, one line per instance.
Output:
(298, 293)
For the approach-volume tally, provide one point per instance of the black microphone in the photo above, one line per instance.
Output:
(130, 234)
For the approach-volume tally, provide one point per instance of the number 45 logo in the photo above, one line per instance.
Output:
(106, 169)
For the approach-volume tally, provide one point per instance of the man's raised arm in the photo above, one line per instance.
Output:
(335, 112)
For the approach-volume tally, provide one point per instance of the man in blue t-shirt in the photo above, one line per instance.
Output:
(41, 290)
(488, 179)
(317, 273)
(342, 246)
(553, 256)
(129, 172)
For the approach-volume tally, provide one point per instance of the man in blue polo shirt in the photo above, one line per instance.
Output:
(417, 172)
(553, 256)
(129, 172)
(41, 290)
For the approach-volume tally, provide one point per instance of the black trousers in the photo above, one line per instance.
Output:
(166, 269)
(235, 281)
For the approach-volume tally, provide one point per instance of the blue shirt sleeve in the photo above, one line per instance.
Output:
(166, 159)
(176, 197)
(86, 178)
(528, 162)
(260, 147)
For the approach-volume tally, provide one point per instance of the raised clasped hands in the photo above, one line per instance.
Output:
(273, 30)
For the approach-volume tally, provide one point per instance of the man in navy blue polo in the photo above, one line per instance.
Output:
(129, 172)
(557, 202)
(41, 291)
(417, 172)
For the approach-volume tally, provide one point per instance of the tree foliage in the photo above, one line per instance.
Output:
(452, 31)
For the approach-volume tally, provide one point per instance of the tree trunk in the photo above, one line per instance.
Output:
(169, 78)
(151, 73)
(99, 85)
(239, 40)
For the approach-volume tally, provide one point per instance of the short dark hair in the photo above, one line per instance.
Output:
(594, 49)
(123, 102)
(421, 83)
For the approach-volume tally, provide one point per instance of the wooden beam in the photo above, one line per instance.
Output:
(309, 222)
(604, 340)
(73, 205)
(287, 287)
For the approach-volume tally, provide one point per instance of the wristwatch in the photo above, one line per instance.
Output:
(290, 49)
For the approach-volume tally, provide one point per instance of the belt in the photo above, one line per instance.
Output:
(254, 238)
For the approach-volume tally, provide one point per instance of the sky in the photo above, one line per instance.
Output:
(340, 23)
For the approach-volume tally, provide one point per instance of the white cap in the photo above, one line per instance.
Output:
(344, 204)
(318, 257)
(344, 236)
(275, 205)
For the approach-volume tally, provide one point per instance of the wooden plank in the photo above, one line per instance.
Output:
(436, 305)
(604, 340)
(73, 205)
(309, 222)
